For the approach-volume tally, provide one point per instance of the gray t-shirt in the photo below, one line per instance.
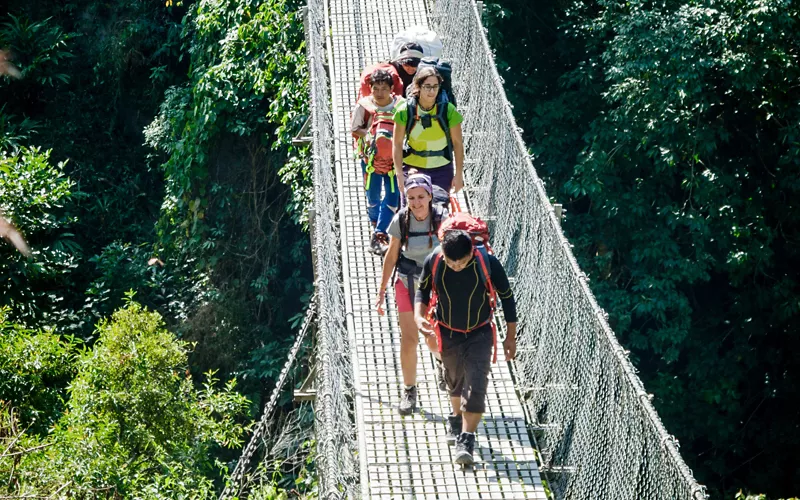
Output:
(419, 244)
(361, 120)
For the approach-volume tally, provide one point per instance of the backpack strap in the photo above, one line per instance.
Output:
(403, 226)
(443, 106)
(487, 281)
(411, 106)
(434, 300)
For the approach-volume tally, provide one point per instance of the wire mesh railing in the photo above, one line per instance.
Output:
(598, 434)
(335, 431)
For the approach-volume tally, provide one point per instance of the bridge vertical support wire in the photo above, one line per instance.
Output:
(599, 435)
(260, 431)
(334, 415)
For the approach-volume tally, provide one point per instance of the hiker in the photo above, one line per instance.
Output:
(372, 127)
(462, 279)
(427, 133)
(406, 63)
(413, 235)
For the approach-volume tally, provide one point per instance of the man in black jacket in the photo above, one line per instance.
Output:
(463, 321)
(406, 63)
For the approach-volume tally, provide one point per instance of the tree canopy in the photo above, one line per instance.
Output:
(670, 132)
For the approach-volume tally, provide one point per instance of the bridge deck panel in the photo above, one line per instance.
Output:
(407, 457)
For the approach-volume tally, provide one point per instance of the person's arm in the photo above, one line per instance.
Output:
(389, 262)
(503, 289)
(422, 297)
(510, 343)
(398, 137)
(358, 124)
(458, 156)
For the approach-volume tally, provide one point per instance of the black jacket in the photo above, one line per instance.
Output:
(463, 296)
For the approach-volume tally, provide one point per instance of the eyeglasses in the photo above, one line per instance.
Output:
(413, 62)
(430, 88)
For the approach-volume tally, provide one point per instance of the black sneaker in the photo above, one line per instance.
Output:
(464, 448)
(374, 244)
(440, 375)
(409, 402)
(383, 243)
(453, 428)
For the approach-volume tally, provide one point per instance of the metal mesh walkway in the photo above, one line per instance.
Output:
(406, 457)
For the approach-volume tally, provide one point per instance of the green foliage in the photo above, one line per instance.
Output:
(670, 130)
(742, 496)
(136, 425)
(236, 187)
(35, 367)
(278, 479)
(247, 85)
(40, 49)
(14, 133)
(34, 194)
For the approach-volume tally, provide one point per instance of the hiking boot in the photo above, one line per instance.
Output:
(440, 375)
(409, 402)
(465, 445)
(453, 428)
(374, 244)
(382, 242)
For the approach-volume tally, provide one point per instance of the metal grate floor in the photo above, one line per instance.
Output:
(407, 457)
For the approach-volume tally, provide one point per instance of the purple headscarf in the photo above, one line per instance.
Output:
(419, 180)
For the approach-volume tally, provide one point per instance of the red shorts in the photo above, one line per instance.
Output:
(405, 303)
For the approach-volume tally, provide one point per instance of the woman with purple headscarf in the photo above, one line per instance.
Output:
(412, 236)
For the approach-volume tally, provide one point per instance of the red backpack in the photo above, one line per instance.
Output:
(474, 226)
(479, 232)
(365, 89)
(378, 154)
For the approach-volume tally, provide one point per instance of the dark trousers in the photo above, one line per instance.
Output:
(467, 361)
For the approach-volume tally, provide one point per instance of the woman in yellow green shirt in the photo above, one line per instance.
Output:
(432, 143)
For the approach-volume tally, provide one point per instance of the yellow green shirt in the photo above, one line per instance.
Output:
(431, 139)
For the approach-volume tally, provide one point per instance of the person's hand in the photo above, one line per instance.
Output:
(424, 325)
(379, 302)
(6, 68)
(510, 342)
(458, 183)
(10, 233)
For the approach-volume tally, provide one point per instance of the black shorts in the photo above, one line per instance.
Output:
(467, 361)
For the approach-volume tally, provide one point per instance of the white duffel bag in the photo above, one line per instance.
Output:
(429, 41)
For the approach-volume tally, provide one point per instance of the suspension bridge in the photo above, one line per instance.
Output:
(569, 418)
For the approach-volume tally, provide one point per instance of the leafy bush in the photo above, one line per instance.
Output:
(34, 194)
(135, 424)
(35, 368)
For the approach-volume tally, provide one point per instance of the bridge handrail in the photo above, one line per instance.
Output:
(336, 443)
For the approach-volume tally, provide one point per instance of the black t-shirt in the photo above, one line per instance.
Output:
(463, 298)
